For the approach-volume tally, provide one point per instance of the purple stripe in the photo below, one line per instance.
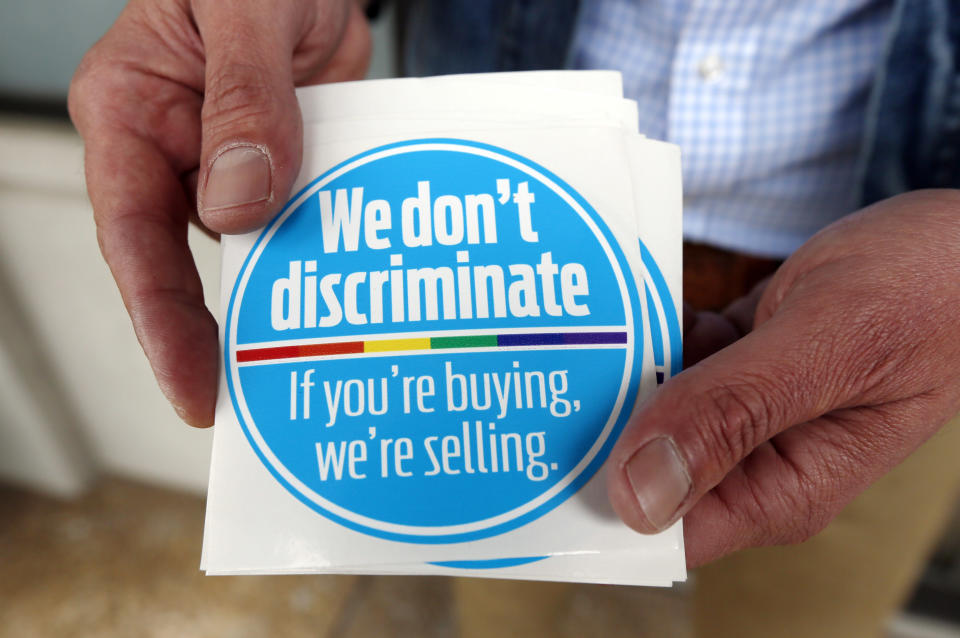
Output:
(575, 338)
(561, 339)
(534, 339)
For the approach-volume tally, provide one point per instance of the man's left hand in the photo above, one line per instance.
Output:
(850, 360)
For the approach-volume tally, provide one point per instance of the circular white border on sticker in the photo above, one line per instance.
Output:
(412, 530)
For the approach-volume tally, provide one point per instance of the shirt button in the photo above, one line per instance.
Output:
(711, 68)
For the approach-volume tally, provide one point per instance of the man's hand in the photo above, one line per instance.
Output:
(852, 363)
(181, 93)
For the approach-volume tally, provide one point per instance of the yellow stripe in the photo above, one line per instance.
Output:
(393, 345)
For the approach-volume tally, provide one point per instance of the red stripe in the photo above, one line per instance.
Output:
(296, 352)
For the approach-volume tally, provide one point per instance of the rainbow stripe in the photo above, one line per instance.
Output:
(461, 342)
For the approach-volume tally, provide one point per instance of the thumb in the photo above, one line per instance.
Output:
(252, 131)
(702, 423)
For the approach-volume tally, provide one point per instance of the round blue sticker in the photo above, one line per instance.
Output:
(435, 341)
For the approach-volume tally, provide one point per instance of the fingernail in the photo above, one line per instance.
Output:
(659, 480)
(240, 175)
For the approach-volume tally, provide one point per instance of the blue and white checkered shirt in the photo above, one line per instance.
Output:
(766, 99)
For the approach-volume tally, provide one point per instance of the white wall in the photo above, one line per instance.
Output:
(42, 41)
(94, 402)
(49, 253)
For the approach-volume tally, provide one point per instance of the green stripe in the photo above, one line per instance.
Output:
(477, 341)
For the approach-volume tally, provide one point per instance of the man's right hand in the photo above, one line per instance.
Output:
(187, 108)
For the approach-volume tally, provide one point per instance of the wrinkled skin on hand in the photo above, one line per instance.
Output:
(171, 87)
(800, 395)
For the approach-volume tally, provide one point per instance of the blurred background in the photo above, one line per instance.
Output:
(101, 485)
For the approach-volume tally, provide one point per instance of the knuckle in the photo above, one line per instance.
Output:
(800, 529)
(779, 515)
(732, 418)
(85, 82)
(238, 94)
(803, 514)
(798, 505)
(92, 95)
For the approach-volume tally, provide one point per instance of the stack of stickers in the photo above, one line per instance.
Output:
(430, 351)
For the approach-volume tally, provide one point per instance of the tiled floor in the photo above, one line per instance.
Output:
(123, 561)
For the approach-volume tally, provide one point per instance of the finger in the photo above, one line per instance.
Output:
(252, 131)
(141, 213)
(707, 332)
(742, 312)
(703, 422)
(141, 130)
(790, 488)
(350, 60)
